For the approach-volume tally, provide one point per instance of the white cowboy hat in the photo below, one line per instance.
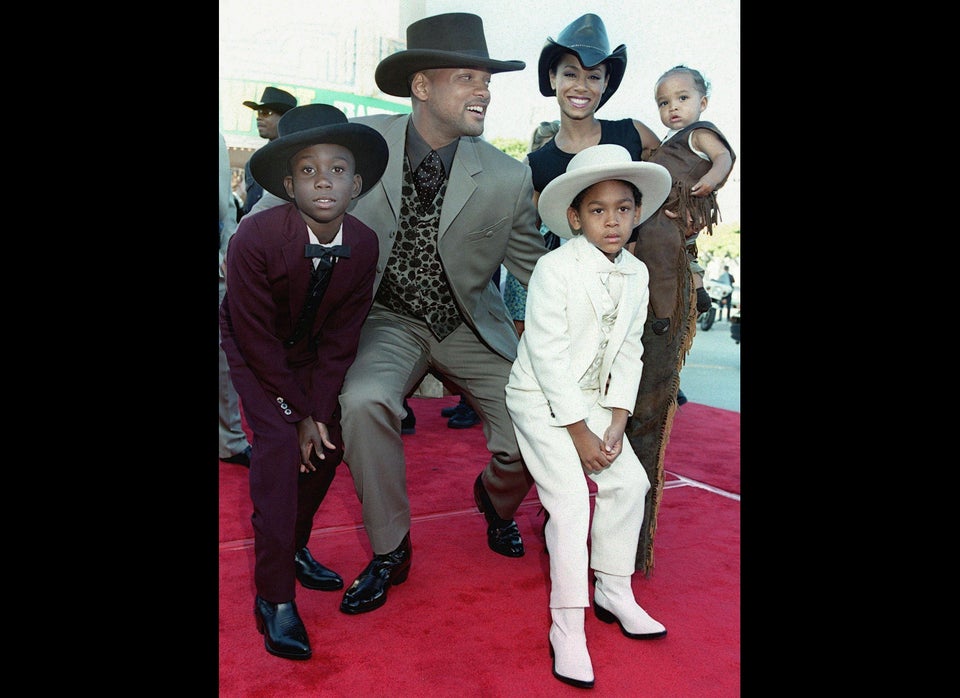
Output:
(597, 164)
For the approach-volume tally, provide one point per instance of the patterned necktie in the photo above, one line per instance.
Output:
(428, 178)
(615, 285)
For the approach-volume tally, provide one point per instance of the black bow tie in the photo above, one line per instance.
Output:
(324, 250)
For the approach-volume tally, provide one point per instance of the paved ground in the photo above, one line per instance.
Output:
(711, 374)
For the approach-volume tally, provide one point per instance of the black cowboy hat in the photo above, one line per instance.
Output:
(312, 124)
(451, 40)
(274, 98)
(587, 38)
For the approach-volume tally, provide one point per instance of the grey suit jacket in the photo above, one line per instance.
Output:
(488, 218)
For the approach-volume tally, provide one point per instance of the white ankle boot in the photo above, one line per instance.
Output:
(613, 601)
(568, 647)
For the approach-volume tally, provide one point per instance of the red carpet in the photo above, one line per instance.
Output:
(469, 622)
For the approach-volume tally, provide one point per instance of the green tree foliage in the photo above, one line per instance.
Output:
(513, 147)
(723, 244)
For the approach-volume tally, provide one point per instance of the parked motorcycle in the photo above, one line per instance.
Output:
(716, 290)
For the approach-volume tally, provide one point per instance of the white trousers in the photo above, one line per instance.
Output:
(553, 462)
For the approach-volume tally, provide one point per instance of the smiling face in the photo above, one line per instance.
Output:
(323, 183)
(578, 88)
(679, 101)
(450, 102)
(605, 213)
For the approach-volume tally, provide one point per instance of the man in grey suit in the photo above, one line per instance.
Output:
(445, 226)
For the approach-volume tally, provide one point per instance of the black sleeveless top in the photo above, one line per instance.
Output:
(549, 162)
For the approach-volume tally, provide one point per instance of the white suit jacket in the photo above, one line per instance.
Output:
(563, 331)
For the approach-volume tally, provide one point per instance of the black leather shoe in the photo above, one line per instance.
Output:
(408, 425)
(503, 536)
(463, 418)
(282, 630)
(448, 412)
(369, 591)
(242, 458)
(313, 575)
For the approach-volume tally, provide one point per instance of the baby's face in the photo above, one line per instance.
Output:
(323, 180)
(678, 100)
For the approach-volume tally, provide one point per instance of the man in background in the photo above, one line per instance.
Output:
(234, 447)
(273, 104)
(727, 300)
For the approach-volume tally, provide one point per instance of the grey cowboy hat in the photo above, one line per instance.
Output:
(312, 124)
(274, 98)
(599, 163)
(587, 38)
(451, 40)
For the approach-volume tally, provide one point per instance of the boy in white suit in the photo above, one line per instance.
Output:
(573, 386)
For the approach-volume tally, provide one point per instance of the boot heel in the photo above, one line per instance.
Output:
(603, 614)
(400, 577)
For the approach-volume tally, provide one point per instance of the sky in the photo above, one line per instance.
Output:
(658, 34)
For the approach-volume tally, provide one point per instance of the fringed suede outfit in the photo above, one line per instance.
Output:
(661, 246)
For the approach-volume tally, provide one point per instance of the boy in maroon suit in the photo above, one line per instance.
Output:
(299, 285)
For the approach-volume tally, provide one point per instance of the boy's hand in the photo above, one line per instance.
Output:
(593, 454)
(313, 436)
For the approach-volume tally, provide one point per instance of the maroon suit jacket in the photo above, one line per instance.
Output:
(267, 282)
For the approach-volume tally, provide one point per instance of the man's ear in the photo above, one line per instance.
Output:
(419, 85)
(357, 186)
(288, 185)
(573, 218)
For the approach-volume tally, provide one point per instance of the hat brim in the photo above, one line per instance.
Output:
(652, 180)
(616, 66)
(270, 164)
(275, 106)
(394, 71)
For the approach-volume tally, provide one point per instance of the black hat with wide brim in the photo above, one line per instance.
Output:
(274, 98)
(587, 38)
(318, 123)
(451, 40)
